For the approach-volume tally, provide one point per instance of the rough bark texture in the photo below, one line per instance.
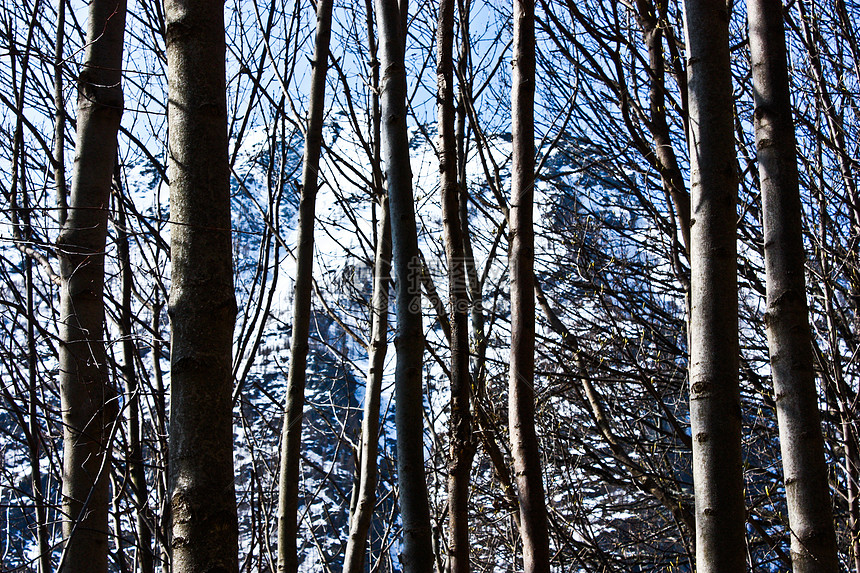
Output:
(291, 435)
(461, 447)
(715, 413)
(202, 309)
(88, 399)
(417, 556)
(813, 540)
(521, 394)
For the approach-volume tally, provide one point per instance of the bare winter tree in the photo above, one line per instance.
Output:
(461, 448)
(361, 510)
(288, 490)
(813, 540)
(202, 308)
(715, 413)
(88, 398)
(417, 556)
(521, 393)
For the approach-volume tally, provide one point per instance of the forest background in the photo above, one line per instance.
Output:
(611, 269)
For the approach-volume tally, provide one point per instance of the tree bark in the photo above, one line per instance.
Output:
(291, 435)
(461, 446)
(366, 498)
(365, 494)
(87, 397)
(715, 413)
(417, 556)
(521, 394)
(202, 306)
(813, 539)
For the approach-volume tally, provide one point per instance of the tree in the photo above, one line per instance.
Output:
(715, 414)
(521, 393)
(417, 556)
(88, 397)
(813, 541)
(202, 304)
(302, 308)
(461, 447)
(364, 496)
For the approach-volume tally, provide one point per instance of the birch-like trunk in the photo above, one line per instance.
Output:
(715, 412)
(364, 496)
(521, 394)
(367, 473)
(202, 306)
(417, 556)
(291, 434)
(813, 540)
(87, 397)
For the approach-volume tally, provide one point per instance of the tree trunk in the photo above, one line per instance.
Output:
(521, 394)
(461, 447)
(365, 493)
(652, 20)
(88, 400)
(291, 435)
(134, 456)
(60, 116)
(366, 498)
(202, 309)
(417, 556)
(715, 413)
(813, 540)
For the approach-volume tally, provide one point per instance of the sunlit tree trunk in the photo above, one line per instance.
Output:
(291, 435)
(365, 494)
(521, 394)
(813, 540)
(366, 497)
(88, 399)
(202, 308)
(417, 555)
(715, 413)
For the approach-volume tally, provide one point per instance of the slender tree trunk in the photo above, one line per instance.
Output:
(652, 20)
(88, 400)
(715, 413)
(134, 456)
(291, 435)
(417, 556)
(365, 494)
(813, 539)
(475, 296)
(521, 394)
(60, 116)
(811, 35)
(162, 522)
(202, 306)
(34, 433)
(461, 448)
(366, 499)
